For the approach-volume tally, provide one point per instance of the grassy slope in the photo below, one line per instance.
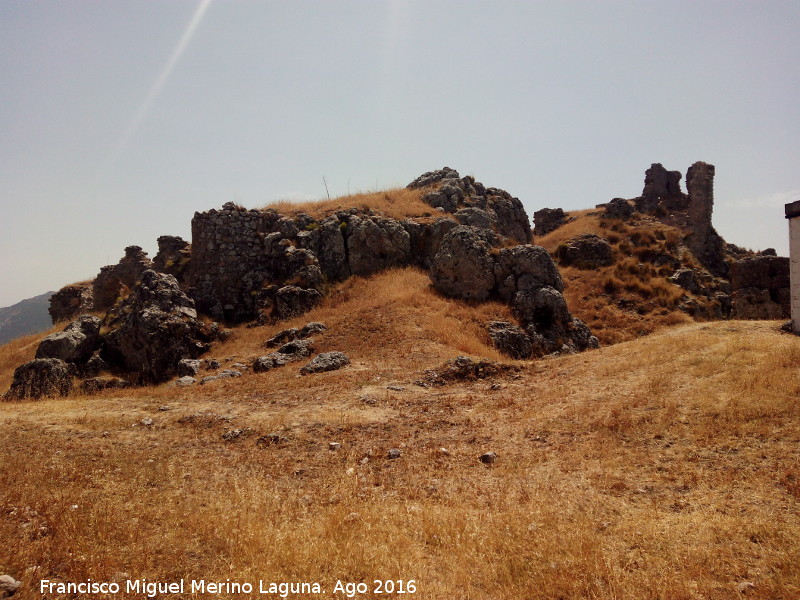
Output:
(663, 467)
(632, 297)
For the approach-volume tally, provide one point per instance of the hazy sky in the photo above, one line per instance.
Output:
(119, 119)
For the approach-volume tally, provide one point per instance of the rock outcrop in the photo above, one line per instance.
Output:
(663, 199)
(39, 378)
(586, 251)
(114, 279)
(546, 220)
(174, 254)
(327, 361)
(469, 266)
(153, 329)
(71, 301)
(75, 344)
(453, 194)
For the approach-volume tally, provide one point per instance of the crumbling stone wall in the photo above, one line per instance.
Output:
(761, 288)
(112, 279)
(71, 301)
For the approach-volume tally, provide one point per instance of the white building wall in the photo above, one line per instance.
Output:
(794, 270)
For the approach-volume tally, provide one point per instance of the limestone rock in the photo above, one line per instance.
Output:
(546, 220)
(188, 367)
(97, 384)
(327, 242)
(426, 238)
(289, 352)
(488, 458)
(174, 254)
(291, 301)
(586, 251)
(475, 217)
(327, 361)
(688, 279)
(70, 301)
(453, 194)
(75, 344)
(8, 586)
(185, 381)
(111, 280)
(464, 267)
(510, 339)
(153, 329)
(525, 267)
(618, 208)
(40, 377)
(375, 244)
(432, 178)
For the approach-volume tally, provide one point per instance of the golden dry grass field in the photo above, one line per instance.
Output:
(664, 467)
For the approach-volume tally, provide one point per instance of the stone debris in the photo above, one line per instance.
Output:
(39, 378)
(463, 368)
(394, 453)
(488, 458)
(327, 361)
(8, 586)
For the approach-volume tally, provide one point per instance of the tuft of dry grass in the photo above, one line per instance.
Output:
(398, 203)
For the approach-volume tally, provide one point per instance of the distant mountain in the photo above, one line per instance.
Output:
(24, 318)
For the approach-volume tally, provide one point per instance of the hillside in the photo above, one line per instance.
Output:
(661, 467)
(366, 387)
(25, 317)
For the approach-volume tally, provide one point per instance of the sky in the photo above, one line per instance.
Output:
(121, 118)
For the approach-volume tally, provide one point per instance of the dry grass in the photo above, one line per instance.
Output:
(399, 203)
(659, 468)
(664, 467)
(632, 297)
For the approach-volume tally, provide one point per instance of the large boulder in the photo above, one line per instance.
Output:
(327, 361)
(546, 220)
(525, 267)
(291, 301)
(75, 344)
(375, 243)
(70, 301)
(618, 208)
(153, 329)
(174, 254)
(510, 339)
(586, 251)
(464, 266)
(452, 194)
(40, 377)
(426, 238)
(113, 279)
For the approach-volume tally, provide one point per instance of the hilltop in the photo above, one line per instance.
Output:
(575, 410)
(659, 467)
